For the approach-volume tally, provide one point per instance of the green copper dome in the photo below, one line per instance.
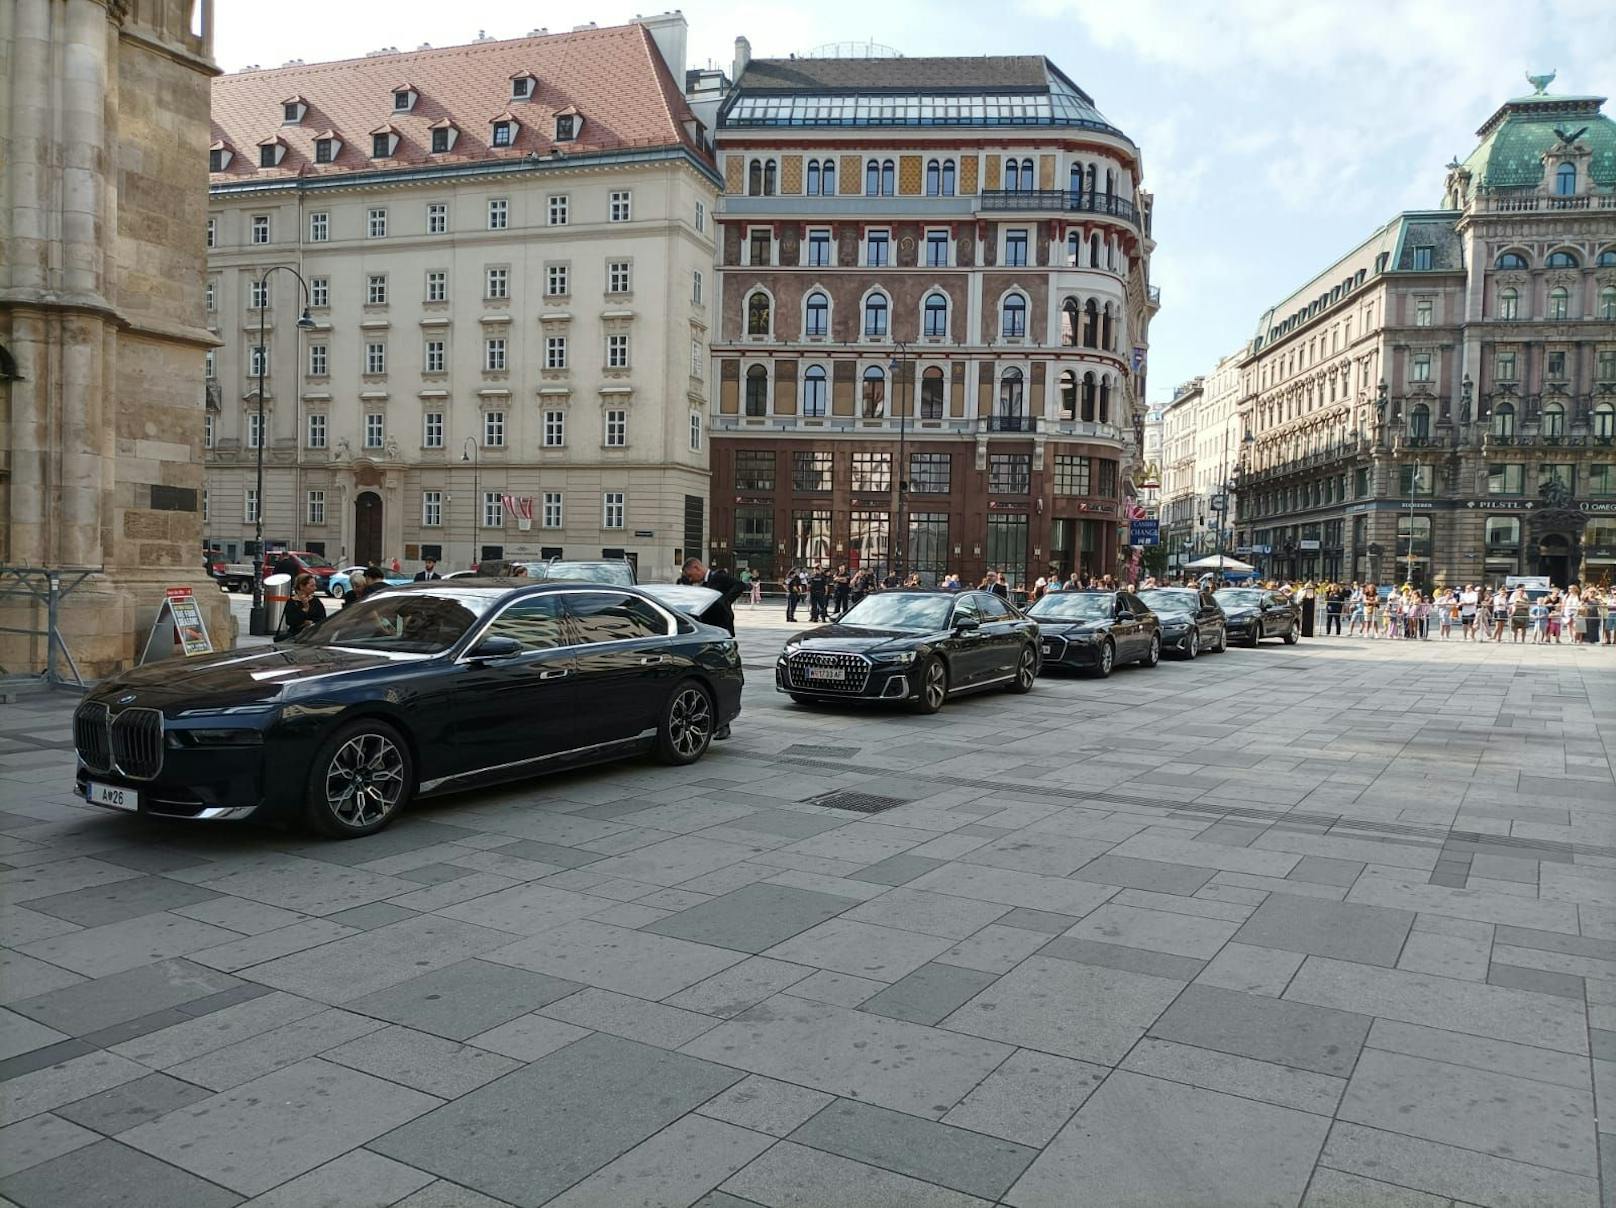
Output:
(1514, 140)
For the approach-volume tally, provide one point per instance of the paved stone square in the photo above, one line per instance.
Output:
(1323, 925)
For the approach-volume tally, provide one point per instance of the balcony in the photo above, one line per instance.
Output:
(1530, 201)
(1062, 200)
(1306, 461)
(1007, 423)
(847, 206)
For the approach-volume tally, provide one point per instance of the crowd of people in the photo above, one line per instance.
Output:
(1475, 613)
(831, 592)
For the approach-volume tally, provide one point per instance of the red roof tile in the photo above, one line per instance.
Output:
(615, 77)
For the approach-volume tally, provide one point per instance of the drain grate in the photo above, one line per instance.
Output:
(859, 803)
(805, 748)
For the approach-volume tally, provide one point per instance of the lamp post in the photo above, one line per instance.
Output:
(468, 452)
(257, 621)
(900, 355)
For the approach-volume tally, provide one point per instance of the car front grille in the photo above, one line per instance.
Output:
(137, 743)
(1054, 648)
(91, 738)
(855, 667)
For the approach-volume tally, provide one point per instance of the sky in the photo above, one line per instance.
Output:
(1276, 134)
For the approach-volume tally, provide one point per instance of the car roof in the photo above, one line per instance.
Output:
(523, 586)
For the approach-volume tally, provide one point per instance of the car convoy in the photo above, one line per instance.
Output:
(435, 687)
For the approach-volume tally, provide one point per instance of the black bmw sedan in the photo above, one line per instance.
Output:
(915, 647)
(1191, 620)
(1254, 613)
(1096, 630)
(425, 688)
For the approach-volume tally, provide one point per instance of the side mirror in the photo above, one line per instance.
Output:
(1123, 613)
(495, 647)
(966, 624)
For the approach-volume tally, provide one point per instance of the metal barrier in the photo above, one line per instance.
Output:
(46, 585)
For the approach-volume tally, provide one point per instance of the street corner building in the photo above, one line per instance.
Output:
(931, 317)
(504, 252)
(103, 131)
(1440, 404)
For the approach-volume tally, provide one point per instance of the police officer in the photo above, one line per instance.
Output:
(819, 595)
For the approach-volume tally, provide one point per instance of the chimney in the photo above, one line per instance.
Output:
(743, 56)
(668, 31)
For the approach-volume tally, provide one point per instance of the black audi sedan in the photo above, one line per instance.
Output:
(916, 647)
(425, 688)
(1096, 630)
(1191, 620)
(1255, 613)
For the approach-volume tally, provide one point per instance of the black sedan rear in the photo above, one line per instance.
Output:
(425, 688)
(1096, 630)
(1254, 613)
(1191, 620)
(917, 648)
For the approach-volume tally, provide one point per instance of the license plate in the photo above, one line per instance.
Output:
(111, 795)
(1049, 647)
(836, 674)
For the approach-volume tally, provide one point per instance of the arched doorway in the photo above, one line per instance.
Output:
(367, 528)
(1554, 558)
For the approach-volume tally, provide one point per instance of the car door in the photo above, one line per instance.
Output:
(522, 707)
(626, 663)
(1003, 643)
(969, 656)
(1126, 628)
(1273, 618)
(1210, 619)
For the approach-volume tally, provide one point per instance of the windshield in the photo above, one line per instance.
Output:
(1075, 606)
(1168, 600)
(900, 610)
(405, 622)
(585, 572)
(1240, 597)
(315, 560)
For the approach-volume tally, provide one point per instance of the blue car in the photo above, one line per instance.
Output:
(343, 580)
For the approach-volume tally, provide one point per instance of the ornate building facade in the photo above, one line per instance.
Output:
(103, 137)
(507, 249)
(933, 312)
(1440, 404)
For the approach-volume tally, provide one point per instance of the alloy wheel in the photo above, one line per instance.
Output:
(1107, 656)
(690, 722)
(1026, 672)
(936, 686)
(364, 780)
(1193, 646)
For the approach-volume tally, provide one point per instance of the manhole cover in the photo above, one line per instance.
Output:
(859, 803)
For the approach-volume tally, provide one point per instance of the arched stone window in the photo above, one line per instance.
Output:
(757, 314)
(1013, 320)
(1605, 421)
(816, 315)
(813, 391)
(1565, 180)
(1553, 420)
(1109, 335)
(754, 178)
(948, 178)
(931, 393)
(1509, 304)
(1069, 322)
(1419, 421)
(769, 178)
(1068, 394)
(757, 391)
(875, 392)
(1089, 390)
(1559, 302)
(936, 316)
(1011, 397)
(1607, 303)
(1094, 251)
(1105, 399)
(1074, 182)
(872, 178)
(1504, 420)
(1511, 260)
(1091, 324)
(875, 315)
(1562, 260)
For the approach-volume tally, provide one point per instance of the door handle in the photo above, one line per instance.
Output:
(554, 673)
(653, 660)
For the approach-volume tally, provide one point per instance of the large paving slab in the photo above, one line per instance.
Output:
(1318, 926)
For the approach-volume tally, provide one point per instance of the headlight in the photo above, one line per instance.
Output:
(192, 739)
(901, 658)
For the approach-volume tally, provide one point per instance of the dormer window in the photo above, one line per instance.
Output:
(292, 110)
(326, 147)
(404, 97)
(568, 123)
(502, 134)
(444, 134)
(523, 84)
(383, 142)
(505, 128)
(270, 152)
(219, 157)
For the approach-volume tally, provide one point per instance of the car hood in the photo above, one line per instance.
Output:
(1071, 629)
(260, 675)
(857, 639)
(1174, 616)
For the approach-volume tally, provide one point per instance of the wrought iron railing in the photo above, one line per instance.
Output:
(1008, 423)
(1066, 200)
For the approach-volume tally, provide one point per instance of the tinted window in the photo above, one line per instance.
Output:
(536, 623)
(585, 572)
(1239, 597)
(1132, 603)
(1170, 600)
(1074, 606)
(899, 610)
(411, 622)
(965, 609)
(609, 617)
(993, 608)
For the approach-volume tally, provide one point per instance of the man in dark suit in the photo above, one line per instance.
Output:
(720, 612)
(819, 595)
(429, 571)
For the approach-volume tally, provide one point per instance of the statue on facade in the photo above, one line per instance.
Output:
(1556, 495)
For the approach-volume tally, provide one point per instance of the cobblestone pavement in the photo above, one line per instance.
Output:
(1324, 925)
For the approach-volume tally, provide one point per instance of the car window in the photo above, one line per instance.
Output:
(406, 622)
(965, 609)
(993, 608)
(918, 611)
(613, 617)
(536, 623)
(1135, 604)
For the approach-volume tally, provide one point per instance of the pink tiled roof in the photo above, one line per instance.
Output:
(614, 77)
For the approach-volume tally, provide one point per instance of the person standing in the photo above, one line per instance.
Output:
(1520, 614)
(1335, 599)
(721, 612)
(999, 587)
(819, 595)
(794, 591)
(1469, 602)
(756, 585)
(428, 571)
(1500, 605)
(843, 585)
(304, 610)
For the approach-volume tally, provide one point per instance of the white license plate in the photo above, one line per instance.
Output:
(111, 795)
(1049, 647)
(836, 674)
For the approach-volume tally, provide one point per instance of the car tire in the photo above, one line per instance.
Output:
(1255, 639)
(1153, 655)
(361, 779)
(933, 678)
(1107, 660)
(689, 720)
(1222, 643)
(1192, 645)
(1292, 636)
(1026, 671)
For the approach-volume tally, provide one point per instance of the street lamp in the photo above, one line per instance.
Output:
(468, 452)
(257, 620)
(900, 354)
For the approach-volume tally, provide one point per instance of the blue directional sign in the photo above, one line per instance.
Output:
(1144, 532)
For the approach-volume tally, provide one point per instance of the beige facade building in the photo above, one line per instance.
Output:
(508, 253)
(1440, 403)
(103, 137)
